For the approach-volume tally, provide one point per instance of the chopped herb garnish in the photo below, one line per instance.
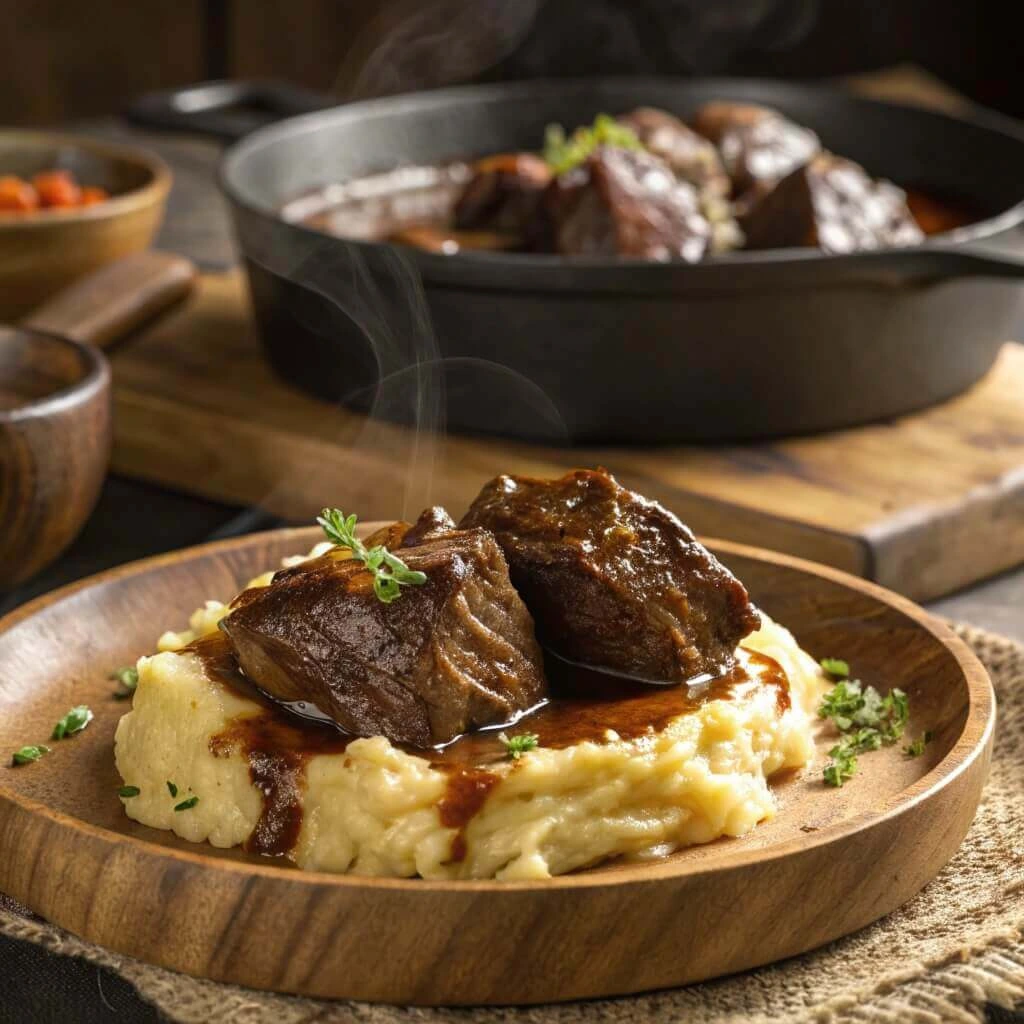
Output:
(916, 749)
(172, 789)
(74, 721)
(563, 154)
(836, 667)
(844, 764)
(29, 754)
(188, 804)
(866, 719)
(390, 573)
(127, 679)
(516, 746)
(128, 791)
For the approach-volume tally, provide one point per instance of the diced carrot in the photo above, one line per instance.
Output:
(17, 194)
(57, 188)
(92, 194)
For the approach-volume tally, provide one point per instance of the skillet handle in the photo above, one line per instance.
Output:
(225, 109)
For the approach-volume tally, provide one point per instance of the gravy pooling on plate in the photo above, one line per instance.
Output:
(278, 740)
(416, 730)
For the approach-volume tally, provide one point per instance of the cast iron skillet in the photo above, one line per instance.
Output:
(745, 346)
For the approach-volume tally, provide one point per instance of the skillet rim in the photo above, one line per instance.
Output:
(552, 272)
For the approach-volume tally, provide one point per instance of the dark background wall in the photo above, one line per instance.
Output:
(63, 60)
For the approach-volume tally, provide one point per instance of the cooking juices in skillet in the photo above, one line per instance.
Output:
(383, 706)
(645, 185)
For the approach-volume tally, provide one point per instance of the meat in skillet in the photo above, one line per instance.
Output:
(692, 157)
(625, 202)
(612, 579)
(695, 160)
(759, 146)
(832, 204)
(454, 654)
(503, 194)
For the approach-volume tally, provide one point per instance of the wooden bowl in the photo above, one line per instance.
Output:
(832, 861)
(43, 251)
(54, 446)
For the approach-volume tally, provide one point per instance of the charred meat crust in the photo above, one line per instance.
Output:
(613, 579)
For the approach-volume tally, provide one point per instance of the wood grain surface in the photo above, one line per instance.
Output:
(923, 504)
(829, 863)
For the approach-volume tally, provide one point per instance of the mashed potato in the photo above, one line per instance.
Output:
(375, 809)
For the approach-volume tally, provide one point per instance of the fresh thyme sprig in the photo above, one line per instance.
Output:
(390, 573)
(516, 746)
(563, 154)
(865, 718)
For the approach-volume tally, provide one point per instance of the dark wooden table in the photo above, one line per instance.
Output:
(134, 520)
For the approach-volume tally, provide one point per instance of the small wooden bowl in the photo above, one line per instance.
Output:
(54, 446)
(43, 251)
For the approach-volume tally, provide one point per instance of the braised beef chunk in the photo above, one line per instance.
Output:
(454, 654)
(833, 204)
(695, 160)
(433, 522)
(625, 202)
(503, 194)
(612, 579)
(759, 146)
(692, 157)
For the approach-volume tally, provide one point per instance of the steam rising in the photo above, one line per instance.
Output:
(411, 44)
(378, 321)
(376, 316)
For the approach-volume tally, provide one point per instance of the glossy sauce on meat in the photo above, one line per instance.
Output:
(279, 740)
(391, 221)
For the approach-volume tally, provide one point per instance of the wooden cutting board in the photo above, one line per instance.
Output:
(924, 504)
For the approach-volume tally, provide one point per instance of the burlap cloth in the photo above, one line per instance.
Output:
(958, 945)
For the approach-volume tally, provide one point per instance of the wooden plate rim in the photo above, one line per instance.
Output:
(970, 745)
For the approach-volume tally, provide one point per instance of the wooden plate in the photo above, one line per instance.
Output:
(831, 861)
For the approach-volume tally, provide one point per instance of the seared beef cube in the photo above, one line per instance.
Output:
(625, 202)
(692, 157)
(759, 146)
(834, 205)
(453, 654)
(503, 194)
(615, 580)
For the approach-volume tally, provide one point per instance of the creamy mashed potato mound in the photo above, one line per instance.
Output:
(374, 808)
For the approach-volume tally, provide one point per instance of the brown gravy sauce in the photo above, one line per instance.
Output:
(278, 741)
